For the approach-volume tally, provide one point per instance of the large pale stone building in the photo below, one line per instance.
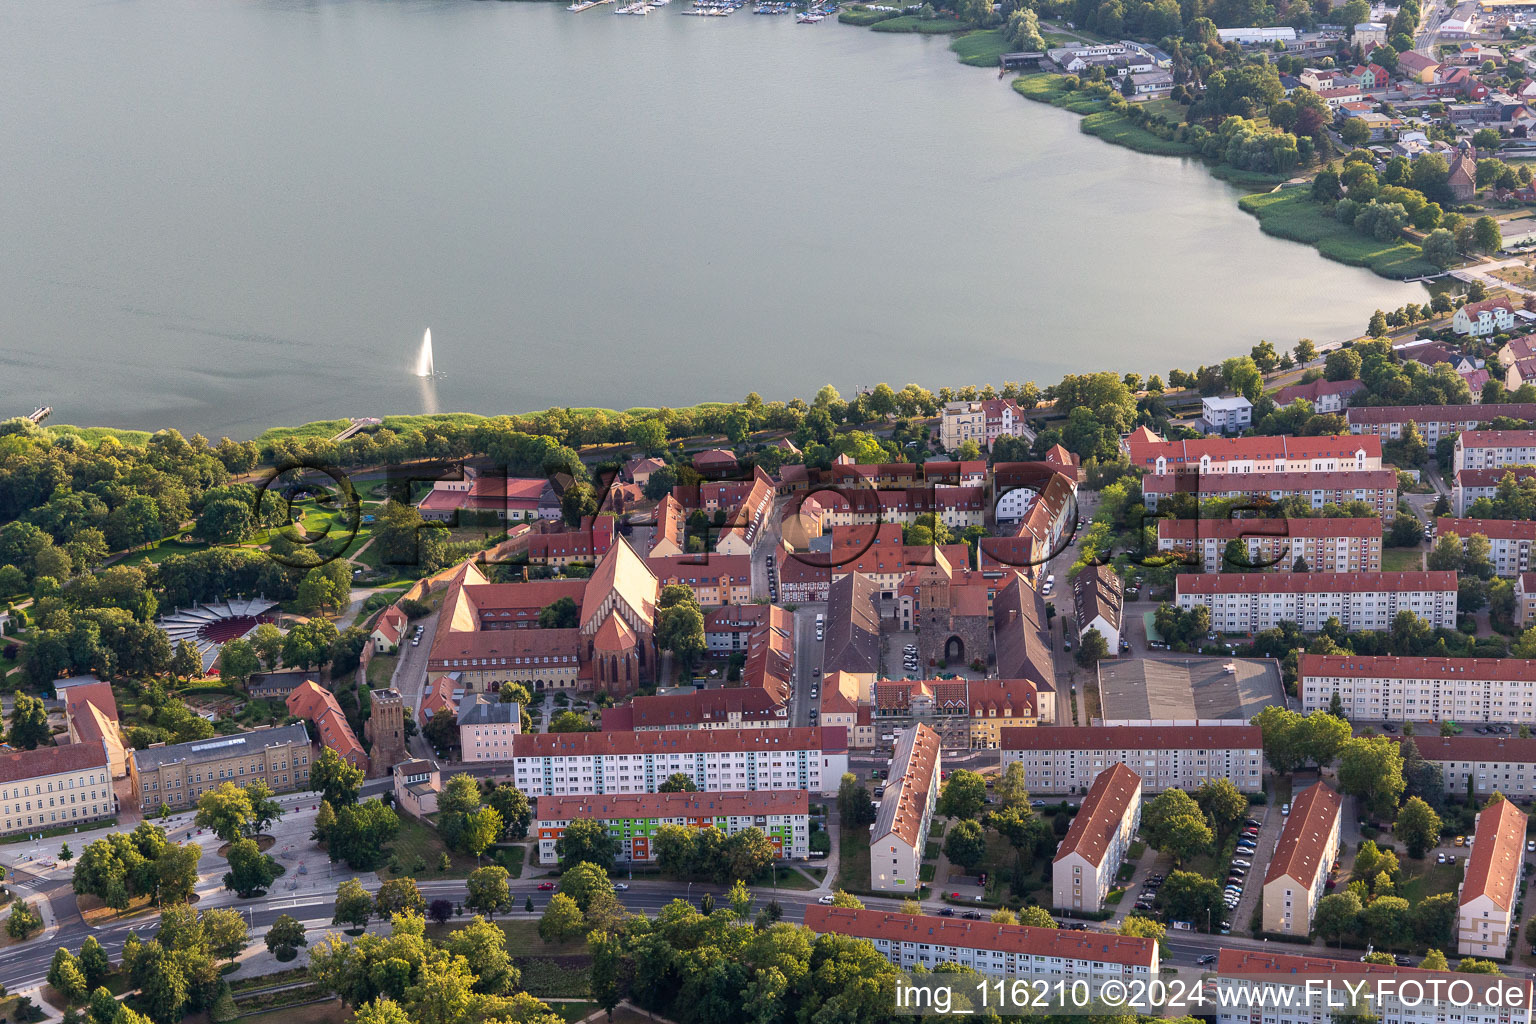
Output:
(177, 774)
(54, 787)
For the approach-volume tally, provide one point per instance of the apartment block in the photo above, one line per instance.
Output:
(1390, 688)
(1065, 760)
(1509, 540)
(487, 727)
(52, 787)
(981, 421)
(1298, 873)
(922, 940)
(717, 760)
(1247, 602)
(1298, 991)
(1376, 487)
(633, 819)
(177, 774)
(1434, 421)
(1471, 484)
(1327, 545)
(738, 707)
(1492, 449)
(1277, 454)
(906, 810)
(1083, 870)
(1491, 888)
(1503, 763)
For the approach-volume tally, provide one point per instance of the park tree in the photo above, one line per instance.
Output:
(1188, 896)
(964, 795)
(285, 937)
(94, 962)
(1371, 768)
(562, 920)
(354, 906)
(586, 841)
(23, 921)
(1010, 789)
(1486, 234)
(1418, 826)
(29, 723)
(336, 780)
(488, 892)
(238, 661)
(398, 896)
(513, 806)
(1223, 805)
(225, 811)
(225, 932)
(1173, 823)
(1336, 915)
(966, 844)
(361, 833)
(65, 975)
(250, 870)
(678, 782)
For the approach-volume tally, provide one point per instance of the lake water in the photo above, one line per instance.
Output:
(221, 215)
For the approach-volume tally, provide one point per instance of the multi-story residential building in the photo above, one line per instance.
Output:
(1525, 599)
(584, 545)
(1084, 868)
(1491, 316)
(1226, 415)
(511, 498)
(1389, 688)
(487, 727)
(1098, 598)
(964, 712)
(1376, 487)
(417, 782)
(1325, 395)
(52, 787)
(736, 707)
(877, 552)
(633, 819)
(1471, 484)
(998, 704)
(1509, 540)
(1325, 544)
(1247, 602)
(1278, 454)
(177, 774)
(1503, 763)
(1298, 872)
(913, 940)
(981, 421)
(1492, 449)
(1434, 421)
(314, 703)
(714, 579)
(1491, 887)
(955, 507)
(906, 810)
(1279, 988)
(1067, 759)
(717, 760)
(729, 628)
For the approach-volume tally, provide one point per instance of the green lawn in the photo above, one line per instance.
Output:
(1401, 560)
(862, 16)
(980, 49)
(418, 843)
(1421, 879)
(921, 26)
(853, 859)
(1291, 214)
(1115, 127)
(573, 1011)
(381, 669)
(330, 1011)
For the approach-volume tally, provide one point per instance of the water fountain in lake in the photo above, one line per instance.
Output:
(424, 357)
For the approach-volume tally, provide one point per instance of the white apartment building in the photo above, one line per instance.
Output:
(1273, 454)
(717, 760)
(487, 727)
(1226, 414)
(982, 421)
(1509, 540)
(1471, 484)
(1434, 421)
(1299, 996)
(633, 819)
(1304, 854)
(1491, 315)
(913, 940)
(51, 787)
(1491, 887)
(1327, 545)
(1248, 602)
(1083, 870)
(1376, 487)
(1491, 449)
(906, 810)
(1503, 763)
(1065, 760)
(1389, 688)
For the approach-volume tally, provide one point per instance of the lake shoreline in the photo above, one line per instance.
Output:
(1389, 261)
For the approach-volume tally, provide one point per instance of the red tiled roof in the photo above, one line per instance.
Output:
(1312, 582)
(1300, 480)
(1392, 666)
(1316, 389)
(1308, 527)
(673, 805)
(1493, 529)
(1113, 793)
(1139, 737)
(1492, 477)
(1304, 841)
(1129, 951)
(1476, 748)
(1298, 970)
(1497, 438)
(1282, 446)
(19, 765)
(1493, 869)
(701, 707)
(591, 744)
(906, 794)
(392, 624)
(488, 492)
(1379, 414)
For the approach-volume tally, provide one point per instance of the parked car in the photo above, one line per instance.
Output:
(947, 912)
(620, 886)
(546, 886)
(1286, 809)
(971, 915)
(825, 899)
(1209, 958)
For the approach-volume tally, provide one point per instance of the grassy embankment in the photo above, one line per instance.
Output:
(1292, 215)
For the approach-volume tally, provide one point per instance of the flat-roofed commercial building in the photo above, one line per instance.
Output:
(717, 760)
(633, 819)
(1308, 846)
(913, 940)
(1390, 688)
(1248, 602)
(1064, 760)
(177, 774)
(53, 787)
(906, 810)
(1486, 903)
(1083, 870)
